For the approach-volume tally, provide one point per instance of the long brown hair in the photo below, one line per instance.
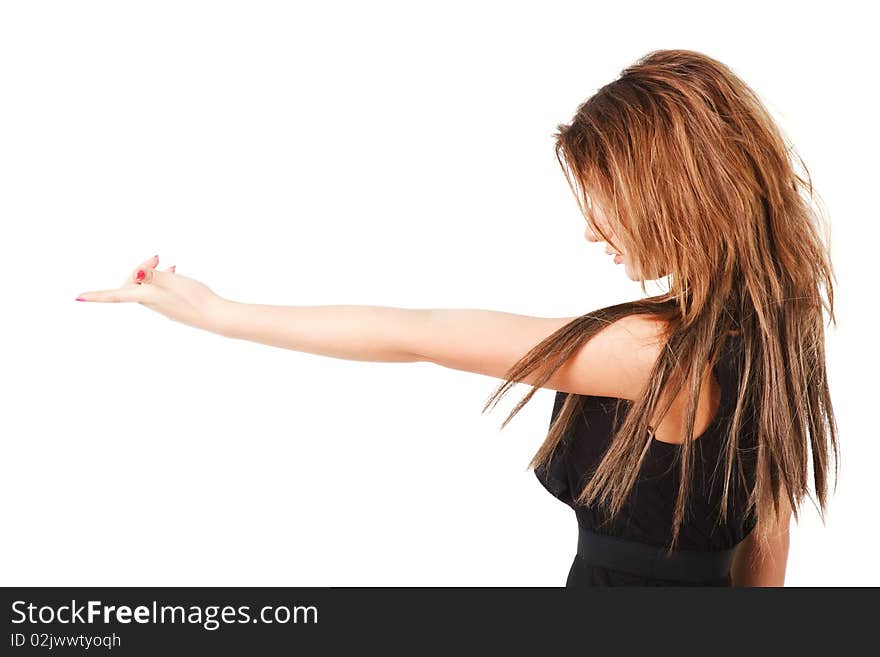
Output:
(702, 189)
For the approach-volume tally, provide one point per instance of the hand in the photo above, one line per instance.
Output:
(177, 297)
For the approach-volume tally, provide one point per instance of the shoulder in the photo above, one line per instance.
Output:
(617, 361)
(643, 330)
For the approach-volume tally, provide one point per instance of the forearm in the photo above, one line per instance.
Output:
(368, 333)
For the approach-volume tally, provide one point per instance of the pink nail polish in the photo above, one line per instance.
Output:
(140, 275)
(81, 299)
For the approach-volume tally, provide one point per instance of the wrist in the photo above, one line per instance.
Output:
(221, 316)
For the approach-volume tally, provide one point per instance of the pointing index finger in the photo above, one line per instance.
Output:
(119, 295)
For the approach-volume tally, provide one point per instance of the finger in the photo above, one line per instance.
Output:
(159, 277)
(120, 295)
(148, 263)
(145, 275)
(155, 277)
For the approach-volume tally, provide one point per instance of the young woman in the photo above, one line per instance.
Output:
(684, 422)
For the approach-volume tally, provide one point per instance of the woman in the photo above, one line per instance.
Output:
(683, 422)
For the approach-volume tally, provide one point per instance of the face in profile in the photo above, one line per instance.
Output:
(605, 225)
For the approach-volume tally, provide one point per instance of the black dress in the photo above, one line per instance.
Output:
(646, 518)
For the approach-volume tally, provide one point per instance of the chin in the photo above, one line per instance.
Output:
(634, 275)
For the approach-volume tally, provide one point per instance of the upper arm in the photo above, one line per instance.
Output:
(616, 362)
(755, 567)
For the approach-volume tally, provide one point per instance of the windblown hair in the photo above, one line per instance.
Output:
(701, 187)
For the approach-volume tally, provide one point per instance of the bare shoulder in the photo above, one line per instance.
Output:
(617, 361)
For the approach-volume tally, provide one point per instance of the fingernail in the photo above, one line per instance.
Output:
(80, 299)
(140, 275)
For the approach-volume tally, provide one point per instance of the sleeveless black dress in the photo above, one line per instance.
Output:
(647, 515)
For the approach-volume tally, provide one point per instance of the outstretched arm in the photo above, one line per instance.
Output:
(614, 363)
(485, 342)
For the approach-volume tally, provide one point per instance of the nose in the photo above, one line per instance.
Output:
(590, 235)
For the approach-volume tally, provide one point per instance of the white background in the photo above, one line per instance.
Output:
(375, 153)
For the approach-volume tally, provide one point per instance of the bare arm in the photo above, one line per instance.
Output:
(481, 341)
(615, 362)
(369, 333)
(750, 568)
